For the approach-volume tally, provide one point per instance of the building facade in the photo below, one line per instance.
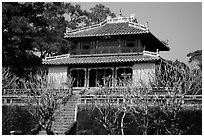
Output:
(112, 48)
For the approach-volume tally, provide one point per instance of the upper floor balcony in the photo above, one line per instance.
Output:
(103, 50)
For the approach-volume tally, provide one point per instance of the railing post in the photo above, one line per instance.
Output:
(3, 92)
(75, 116)
(3, 101)
(11, 101)
(85, 100)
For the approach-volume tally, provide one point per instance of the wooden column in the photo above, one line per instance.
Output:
(88, 73)
(86, 77)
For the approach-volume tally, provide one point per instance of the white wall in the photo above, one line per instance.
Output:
(143, 74)
(57, 75)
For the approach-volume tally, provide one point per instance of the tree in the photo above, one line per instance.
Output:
(179, 81)
(113, 109)
(30, 28)
(99, 13)
(109, 113)
(49, 31)
(155, 108)
(76, 17)
(17, 38)
(32, 31)
(44, 101)
(195, 56)
(171, 74)
(9, 80)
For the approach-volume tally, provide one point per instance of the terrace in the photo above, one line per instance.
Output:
(18, 97)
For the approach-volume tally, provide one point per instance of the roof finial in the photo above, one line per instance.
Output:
(147, 25)
(120, 14)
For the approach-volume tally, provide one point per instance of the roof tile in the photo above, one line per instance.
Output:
(107, 29)
(101, 59)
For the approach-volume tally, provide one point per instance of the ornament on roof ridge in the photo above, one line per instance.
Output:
(109, 18)
(147, 25)
(120, 14)
(133, 18)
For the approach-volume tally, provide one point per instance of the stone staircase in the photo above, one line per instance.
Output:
(66, 116)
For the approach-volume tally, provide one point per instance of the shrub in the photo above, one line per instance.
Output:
(17, 118)
(190, 122)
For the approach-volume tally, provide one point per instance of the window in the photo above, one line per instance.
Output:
(122, 71)
(96, 76)
(108, 43)
(86, 47)
(130, 44)
(79, 76)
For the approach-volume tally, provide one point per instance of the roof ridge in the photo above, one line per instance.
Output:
(87, 27)
(138, 25)
(109, 20)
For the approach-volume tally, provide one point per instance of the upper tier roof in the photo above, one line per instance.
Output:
(118, 26)
(111, 26)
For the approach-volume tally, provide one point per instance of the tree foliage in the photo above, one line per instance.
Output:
(196, 55)
(17, 37)
(32, 31)
(9, 80)
(99, 13)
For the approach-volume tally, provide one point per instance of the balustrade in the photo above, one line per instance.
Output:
(102, 50)
(10, 97)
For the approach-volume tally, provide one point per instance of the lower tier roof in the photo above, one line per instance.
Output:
(119, 58)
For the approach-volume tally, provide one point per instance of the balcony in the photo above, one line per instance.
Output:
(102, 50)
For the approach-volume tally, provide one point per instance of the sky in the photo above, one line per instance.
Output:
(178, 22)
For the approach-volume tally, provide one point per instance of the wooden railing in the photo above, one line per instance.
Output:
(101, 50)
(9, 92)
(19, 96)
(15, 96)
(90, 99)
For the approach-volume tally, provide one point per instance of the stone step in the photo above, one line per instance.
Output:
(65, 116)
(66, 112)
(68, 106)
(43, 132)
(61, 127)
(58, 124)
(64, 120)
(67, 109)
(60, 132)
(71, 103)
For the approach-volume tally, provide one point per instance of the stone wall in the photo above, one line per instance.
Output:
(143, 74)
(57, 75)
